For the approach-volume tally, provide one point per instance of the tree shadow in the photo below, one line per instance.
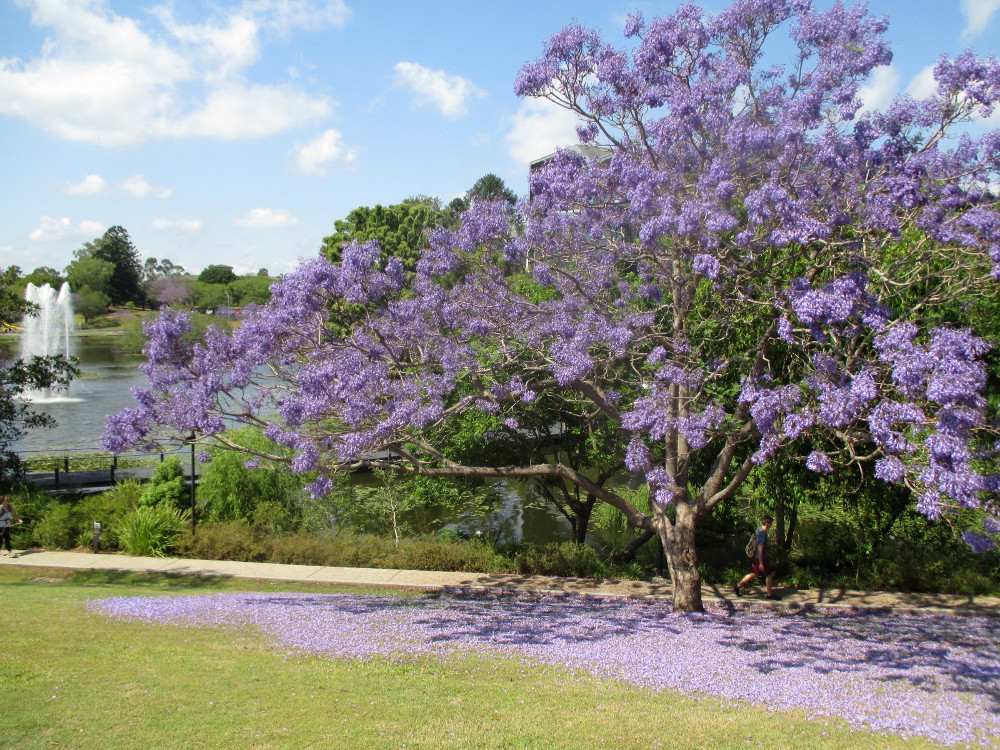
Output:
(960, 651)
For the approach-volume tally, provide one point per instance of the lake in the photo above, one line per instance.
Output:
(104, 387)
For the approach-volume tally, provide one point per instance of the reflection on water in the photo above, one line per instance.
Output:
(517, 515)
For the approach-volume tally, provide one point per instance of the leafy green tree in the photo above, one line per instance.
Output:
(231, 490)
(44, 275)
(155, 269)
(116, 247)
(213, 296)
(217, 275)
(167, 487)
(400, 230)
(92, 304)
(489, 187)
(87, 272)
(251, 289)
(492, 188)
(401, 505)
(17, 377)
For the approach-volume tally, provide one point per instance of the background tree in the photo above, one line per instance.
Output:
(217, 275)
(90, 303)
(400, 230)
(489, 187)
(18, 376)
(263, 492)
(172, 291)
(155, 269)
(734, 278)
(90, 273)
(254, 290)
(116, 248)
(492, 188)
(213, 296)
(44, 275)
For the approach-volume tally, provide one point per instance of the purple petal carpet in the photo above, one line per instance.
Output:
(932, 675)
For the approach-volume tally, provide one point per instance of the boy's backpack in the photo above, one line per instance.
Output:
(752, 545)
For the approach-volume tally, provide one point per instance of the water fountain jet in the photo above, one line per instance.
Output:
(48, 332)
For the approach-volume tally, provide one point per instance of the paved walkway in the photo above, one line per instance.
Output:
(658, 588)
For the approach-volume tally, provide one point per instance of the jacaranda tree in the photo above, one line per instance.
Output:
(745, 265)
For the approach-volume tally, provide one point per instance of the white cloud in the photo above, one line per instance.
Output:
(978, 14)
(184, 225)
(880, 89)
(266, 217)
(92, 184)
(108, 79)
(240, 111)
(538, 128)
(448, 93)
(137, 186)
(285, 16)
(314, 157)
(50, 229)
(923, 84)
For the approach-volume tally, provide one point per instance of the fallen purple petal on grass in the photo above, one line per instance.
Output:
(933, 675)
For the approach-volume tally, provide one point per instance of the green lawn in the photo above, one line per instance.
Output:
(73, 679)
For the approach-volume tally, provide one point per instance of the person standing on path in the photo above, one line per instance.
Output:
(760, 563)
(8, 516)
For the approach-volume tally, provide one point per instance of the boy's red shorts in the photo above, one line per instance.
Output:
(761, 568)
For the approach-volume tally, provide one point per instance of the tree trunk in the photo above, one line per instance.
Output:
(682, 559)
(581, 520)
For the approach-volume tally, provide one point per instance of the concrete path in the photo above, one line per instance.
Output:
(658, 588)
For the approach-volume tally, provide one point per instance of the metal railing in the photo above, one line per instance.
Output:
(59, 463)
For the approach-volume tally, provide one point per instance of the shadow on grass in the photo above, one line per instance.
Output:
(160, 581)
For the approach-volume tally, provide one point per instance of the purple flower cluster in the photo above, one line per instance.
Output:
(929, 675)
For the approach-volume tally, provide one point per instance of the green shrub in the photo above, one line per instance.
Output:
(566, 559)
(31, 506)
(108, 507)
(436, 554)
(168, 486)
(222, 540)
(150, 530)
(230, 490)
(271, 517)
(312, 549)
(62, 527)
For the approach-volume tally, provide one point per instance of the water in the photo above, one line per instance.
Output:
(104, 387)
(48, 332)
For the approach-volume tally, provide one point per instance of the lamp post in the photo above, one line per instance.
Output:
(191, 441)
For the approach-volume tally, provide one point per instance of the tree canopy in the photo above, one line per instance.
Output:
(752, 265)
(217, 275)
(114, 247)
(400, 231)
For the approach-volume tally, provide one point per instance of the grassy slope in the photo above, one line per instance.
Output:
(72, 679)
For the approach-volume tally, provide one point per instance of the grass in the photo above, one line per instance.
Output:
(73, 679)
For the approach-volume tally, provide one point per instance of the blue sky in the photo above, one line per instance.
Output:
(237, 132)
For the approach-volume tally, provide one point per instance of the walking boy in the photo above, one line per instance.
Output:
(760, 563)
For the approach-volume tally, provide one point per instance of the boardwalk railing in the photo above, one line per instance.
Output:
(83, 468)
